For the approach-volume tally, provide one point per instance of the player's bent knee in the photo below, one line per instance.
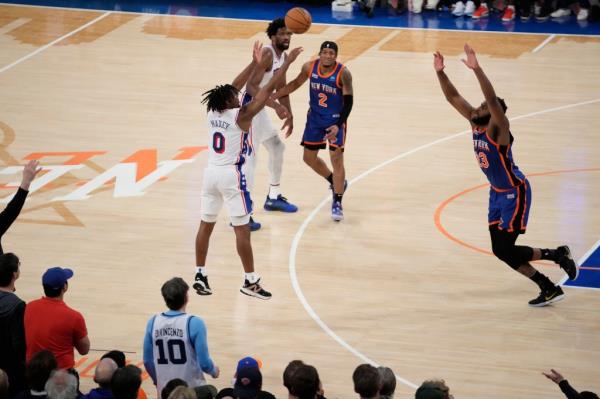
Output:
(208, 218)
(240, 220)
(507, 255)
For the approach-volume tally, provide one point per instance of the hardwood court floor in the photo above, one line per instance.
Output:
(125, 90)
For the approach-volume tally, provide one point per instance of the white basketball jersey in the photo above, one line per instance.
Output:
(174, 353)
(228, 144)
(277, 62)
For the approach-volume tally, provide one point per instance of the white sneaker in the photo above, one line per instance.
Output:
(469, 8)
(431, 4)
(459, 9)
(537, 9)
(417, 6)
(582, 15)
(561, 12)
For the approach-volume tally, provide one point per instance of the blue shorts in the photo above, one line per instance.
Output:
(509, 209)
(314, 135)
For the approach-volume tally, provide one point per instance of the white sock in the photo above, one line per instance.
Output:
(274, 191)
(202, 270)
(252, 277)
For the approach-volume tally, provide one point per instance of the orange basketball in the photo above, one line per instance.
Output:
(298, 20)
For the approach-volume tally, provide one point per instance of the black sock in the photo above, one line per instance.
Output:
(542, 281)
(337, 197)
(330, 178)
(549, 254)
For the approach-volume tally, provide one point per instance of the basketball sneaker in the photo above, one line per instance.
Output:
(481, 12)
(279, 204)
(255, 290)
(459, 9)
(547, 297)
(566, 262)
(509, 14)
(469, 8)
(201, 285)
(337, 212)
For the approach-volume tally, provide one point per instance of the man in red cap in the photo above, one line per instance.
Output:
(51, 324)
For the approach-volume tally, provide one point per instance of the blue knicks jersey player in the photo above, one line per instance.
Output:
(510, 192)
(329, 106)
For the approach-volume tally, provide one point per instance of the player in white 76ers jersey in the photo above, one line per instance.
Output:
(224, 182)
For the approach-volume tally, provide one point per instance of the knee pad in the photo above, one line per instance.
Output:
(208, 218)
(240, 220)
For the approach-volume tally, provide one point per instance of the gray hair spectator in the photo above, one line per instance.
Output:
(388, 382)
(126, 382)
(566, 388)
(61, 385)
(433, 389)
(366, 381)
(12, 330)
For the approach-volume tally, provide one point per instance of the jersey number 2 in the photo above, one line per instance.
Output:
(218, 143)
(175, 351)
(323, 100)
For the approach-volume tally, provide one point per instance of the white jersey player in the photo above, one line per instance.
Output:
(229, 126)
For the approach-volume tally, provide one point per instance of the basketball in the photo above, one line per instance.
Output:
(298, 20)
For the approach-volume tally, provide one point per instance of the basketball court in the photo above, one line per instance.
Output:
(109, 102)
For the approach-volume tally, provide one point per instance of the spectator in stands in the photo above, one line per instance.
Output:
(4, 385)
(37, 373)
(581, 8)
(117, 356)
(61, 385)
(433, 389)
(366, 381)
(182, 392)
(12, 210)
(205, 392)
(170, 387)
(245, 363)
(51, 324)
(305, 383)
(126, 382)
(388, 383)
(289, 372)
(102, 376)
(12, 332)
(185, 331)
(566, 388)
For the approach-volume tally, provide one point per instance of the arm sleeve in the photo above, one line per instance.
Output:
(568, 390)
(198, 335)
(12, 210)
(148, 351)
(348, 101)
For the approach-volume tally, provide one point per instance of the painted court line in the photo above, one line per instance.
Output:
(579, 262)
(543, 44)
(298, 236)
(39, 50)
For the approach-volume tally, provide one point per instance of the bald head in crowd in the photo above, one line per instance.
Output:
(104, 372)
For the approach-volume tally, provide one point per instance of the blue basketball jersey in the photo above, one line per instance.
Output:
(496, 161)
(326, 97)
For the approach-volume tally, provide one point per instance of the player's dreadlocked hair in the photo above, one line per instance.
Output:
(216, 99)
(274, 26)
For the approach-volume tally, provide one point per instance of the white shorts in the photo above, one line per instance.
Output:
(225, 184)
(262, 127)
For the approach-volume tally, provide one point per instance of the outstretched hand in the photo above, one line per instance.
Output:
(554, 376)
(438, 61)
(29, 172)
(471, 61)
(257, 52)
(288, 125)
(292, 55)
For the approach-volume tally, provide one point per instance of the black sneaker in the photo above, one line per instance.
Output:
(544, 14)
(547, 297)
(255, 290)
(201, 285)
(566, 262)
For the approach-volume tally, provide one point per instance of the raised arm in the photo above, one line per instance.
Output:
(498, 116)
(248, 111)
(452, 95)
(293, 85)
(256, 77)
